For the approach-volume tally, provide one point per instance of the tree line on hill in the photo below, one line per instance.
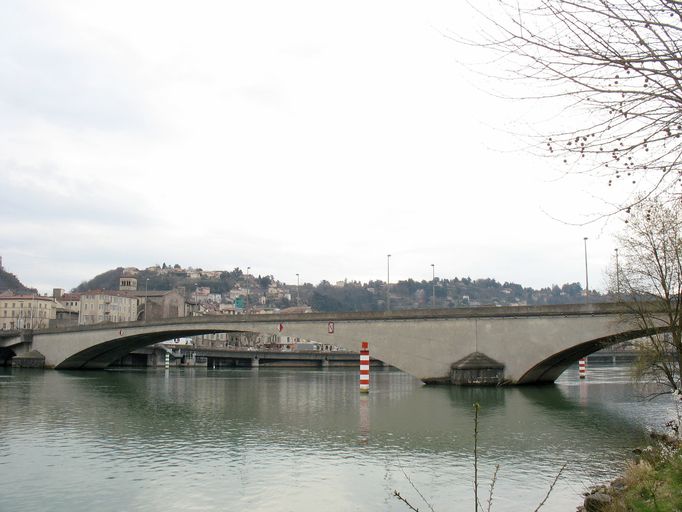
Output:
(353, 296)
(10, 282)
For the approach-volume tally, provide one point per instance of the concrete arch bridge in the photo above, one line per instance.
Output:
(513, 345)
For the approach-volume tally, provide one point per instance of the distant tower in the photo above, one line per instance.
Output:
(127, 283)
(1, 263)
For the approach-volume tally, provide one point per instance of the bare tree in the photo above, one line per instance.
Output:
(616, 63)
(649, 283)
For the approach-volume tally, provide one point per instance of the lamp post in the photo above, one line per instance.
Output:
(247, 289)
(433, 277)
(388, 282)
(146, 286)
(587, 281)
(33, 298)
(617, 274)
(298, 294)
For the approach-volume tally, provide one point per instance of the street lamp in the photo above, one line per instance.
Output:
(247, 289)
(298, 294)
(617, 274)
(146, 286)
(388, 283)
(433, 296)
(587, 281)
(33, 298)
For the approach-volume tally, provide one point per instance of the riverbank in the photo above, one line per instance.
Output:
(652, 481)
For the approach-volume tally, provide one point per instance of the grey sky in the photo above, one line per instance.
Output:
(297, 137)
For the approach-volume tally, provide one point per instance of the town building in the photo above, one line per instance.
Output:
(107, 306)
(155, 304)
(26, 311)
(68, 308)
(158, 304)
(70, 301)
(127, 283)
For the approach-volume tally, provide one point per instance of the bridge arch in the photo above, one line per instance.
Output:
(6, 355)
(103, 354)
(552, 367)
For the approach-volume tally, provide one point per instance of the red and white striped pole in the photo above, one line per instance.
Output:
(582, 367)
(364, 368)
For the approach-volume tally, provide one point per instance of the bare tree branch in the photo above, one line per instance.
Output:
(397, 495)
(649, 283)
(551, 487)
(619, 62)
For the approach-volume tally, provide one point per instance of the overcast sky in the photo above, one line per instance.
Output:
(292, 137)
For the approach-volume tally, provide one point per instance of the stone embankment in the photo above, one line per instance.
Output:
(650, 479)
(599, 498)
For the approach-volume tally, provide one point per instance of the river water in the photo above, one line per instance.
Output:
(305, 440)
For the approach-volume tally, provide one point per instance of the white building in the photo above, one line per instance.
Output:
(26, 311)
(107, 306)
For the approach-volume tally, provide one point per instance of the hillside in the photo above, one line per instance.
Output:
(267, 292)
(165, 279)
(10, 282)
(105, 281)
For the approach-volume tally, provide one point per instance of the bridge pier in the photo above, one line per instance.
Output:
(254, 362)
(324, 363)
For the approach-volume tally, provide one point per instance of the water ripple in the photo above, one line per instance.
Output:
(291, 440)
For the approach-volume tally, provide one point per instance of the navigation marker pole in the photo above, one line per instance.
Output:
(364, 368)
(582, 367)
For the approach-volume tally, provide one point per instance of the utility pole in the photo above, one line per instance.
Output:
(617, 275)
(388, 283)
(433, 296)
(587, 281)
(146, 300)
(247, 289)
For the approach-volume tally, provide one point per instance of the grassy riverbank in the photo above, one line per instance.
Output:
(653, 482)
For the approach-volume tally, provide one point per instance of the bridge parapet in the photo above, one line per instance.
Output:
(410, 314)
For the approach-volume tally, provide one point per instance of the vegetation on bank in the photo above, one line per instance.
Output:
(652, 486)
(652, 482)
(648, 282)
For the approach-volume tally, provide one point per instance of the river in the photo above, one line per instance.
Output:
(274, 439)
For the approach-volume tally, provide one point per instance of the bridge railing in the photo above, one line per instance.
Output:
(414, 314)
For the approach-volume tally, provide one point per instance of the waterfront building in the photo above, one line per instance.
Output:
(223, 340)
(127, 283)
(70, 302)
(107, 306)
(68, 308)
(161, 304)
(26, 311)
(154, 304)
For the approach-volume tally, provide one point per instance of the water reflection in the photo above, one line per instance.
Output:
(277, 439)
